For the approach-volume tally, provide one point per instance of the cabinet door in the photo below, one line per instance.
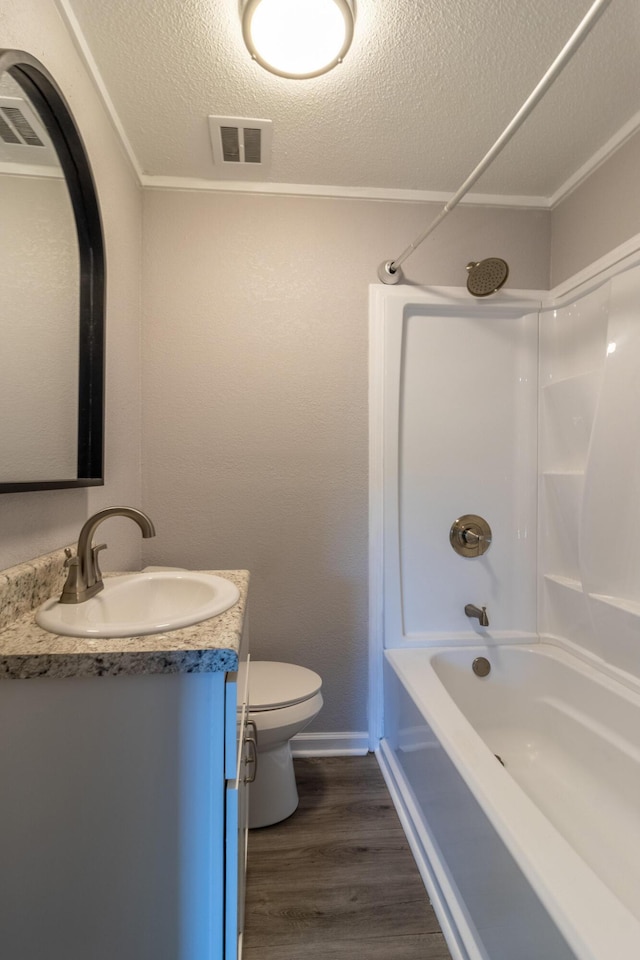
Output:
(237, 817)
(232, 883)
(112, 802)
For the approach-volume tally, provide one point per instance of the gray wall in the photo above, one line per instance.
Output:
(34, 523)
(255, 414)
(600, 214)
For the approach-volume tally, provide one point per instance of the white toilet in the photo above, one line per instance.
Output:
(283, 699)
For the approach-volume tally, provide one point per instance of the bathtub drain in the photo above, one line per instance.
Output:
(481, 667)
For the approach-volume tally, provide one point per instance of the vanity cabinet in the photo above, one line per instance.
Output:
(123, 834)
(123, 797)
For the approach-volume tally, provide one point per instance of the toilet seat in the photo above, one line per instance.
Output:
(274, 685)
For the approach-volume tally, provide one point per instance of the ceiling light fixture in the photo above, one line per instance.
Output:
(298, 38)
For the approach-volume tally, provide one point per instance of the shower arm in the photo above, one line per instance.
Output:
(389, 271)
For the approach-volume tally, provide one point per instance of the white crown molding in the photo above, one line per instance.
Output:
(84, 50)
(599, 157)
(338, 192)
(30, 170)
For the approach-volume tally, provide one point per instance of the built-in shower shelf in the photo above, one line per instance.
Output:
(619, 603)
(576, 381)
(563, 473)
(564, 610)
(567, 582)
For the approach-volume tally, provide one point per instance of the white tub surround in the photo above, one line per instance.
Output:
(453, 431)
(538, 857)
(26, 650)
(456, 408)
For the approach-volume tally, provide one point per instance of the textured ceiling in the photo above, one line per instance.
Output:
(426, 88)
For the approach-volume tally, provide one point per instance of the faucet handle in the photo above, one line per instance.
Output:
(70, 588)
(96, 563)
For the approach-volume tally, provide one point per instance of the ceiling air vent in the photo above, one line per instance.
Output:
(23, 127)
(7, 133)
(241, 147)
(23, 138)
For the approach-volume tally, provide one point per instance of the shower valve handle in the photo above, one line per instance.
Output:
(470, 535)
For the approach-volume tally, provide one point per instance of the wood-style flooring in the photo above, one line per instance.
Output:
(337, 881)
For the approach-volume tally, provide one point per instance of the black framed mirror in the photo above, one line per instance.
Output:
(52, 289)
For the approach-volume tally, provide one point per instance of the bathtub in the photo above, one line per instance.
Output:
(536, 855)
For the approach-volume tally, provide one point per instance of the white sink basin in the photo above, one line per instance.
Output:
(140, 603)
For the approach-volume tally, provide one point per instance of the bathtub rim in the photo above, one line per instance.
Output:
(563, 881)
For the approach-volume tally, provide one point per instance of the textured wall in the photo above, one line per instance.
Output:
(600, 214)
(255, 418)
(34, 523)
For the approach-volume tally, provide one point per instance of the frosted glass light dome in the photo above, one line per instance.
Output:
(297, 38)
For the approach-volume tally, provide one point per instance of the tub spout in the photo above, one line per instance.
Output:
(480, 614)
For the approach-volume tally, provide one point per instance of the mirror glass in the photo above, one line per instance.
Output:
(40, 300)
(51, 289)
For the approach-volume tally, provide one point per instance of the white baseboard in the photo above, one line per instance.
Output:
(349, 744)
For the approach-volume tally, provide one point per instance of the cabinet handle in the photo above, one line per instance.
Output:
(252, 744)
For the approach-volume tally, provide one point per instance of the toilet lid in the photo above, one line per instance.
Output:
(273, 685)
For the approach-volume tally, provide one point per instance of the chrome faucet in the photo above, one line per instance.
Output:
(84, 579)
(481, 614)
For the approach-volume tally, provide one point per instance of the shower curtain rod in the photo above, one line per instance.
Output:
(389, 271)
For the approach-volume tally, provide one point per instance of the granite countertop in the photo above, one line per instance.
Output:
(27, 651)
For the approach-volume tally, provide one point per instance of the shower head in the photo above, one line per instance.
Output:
(486, 276)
